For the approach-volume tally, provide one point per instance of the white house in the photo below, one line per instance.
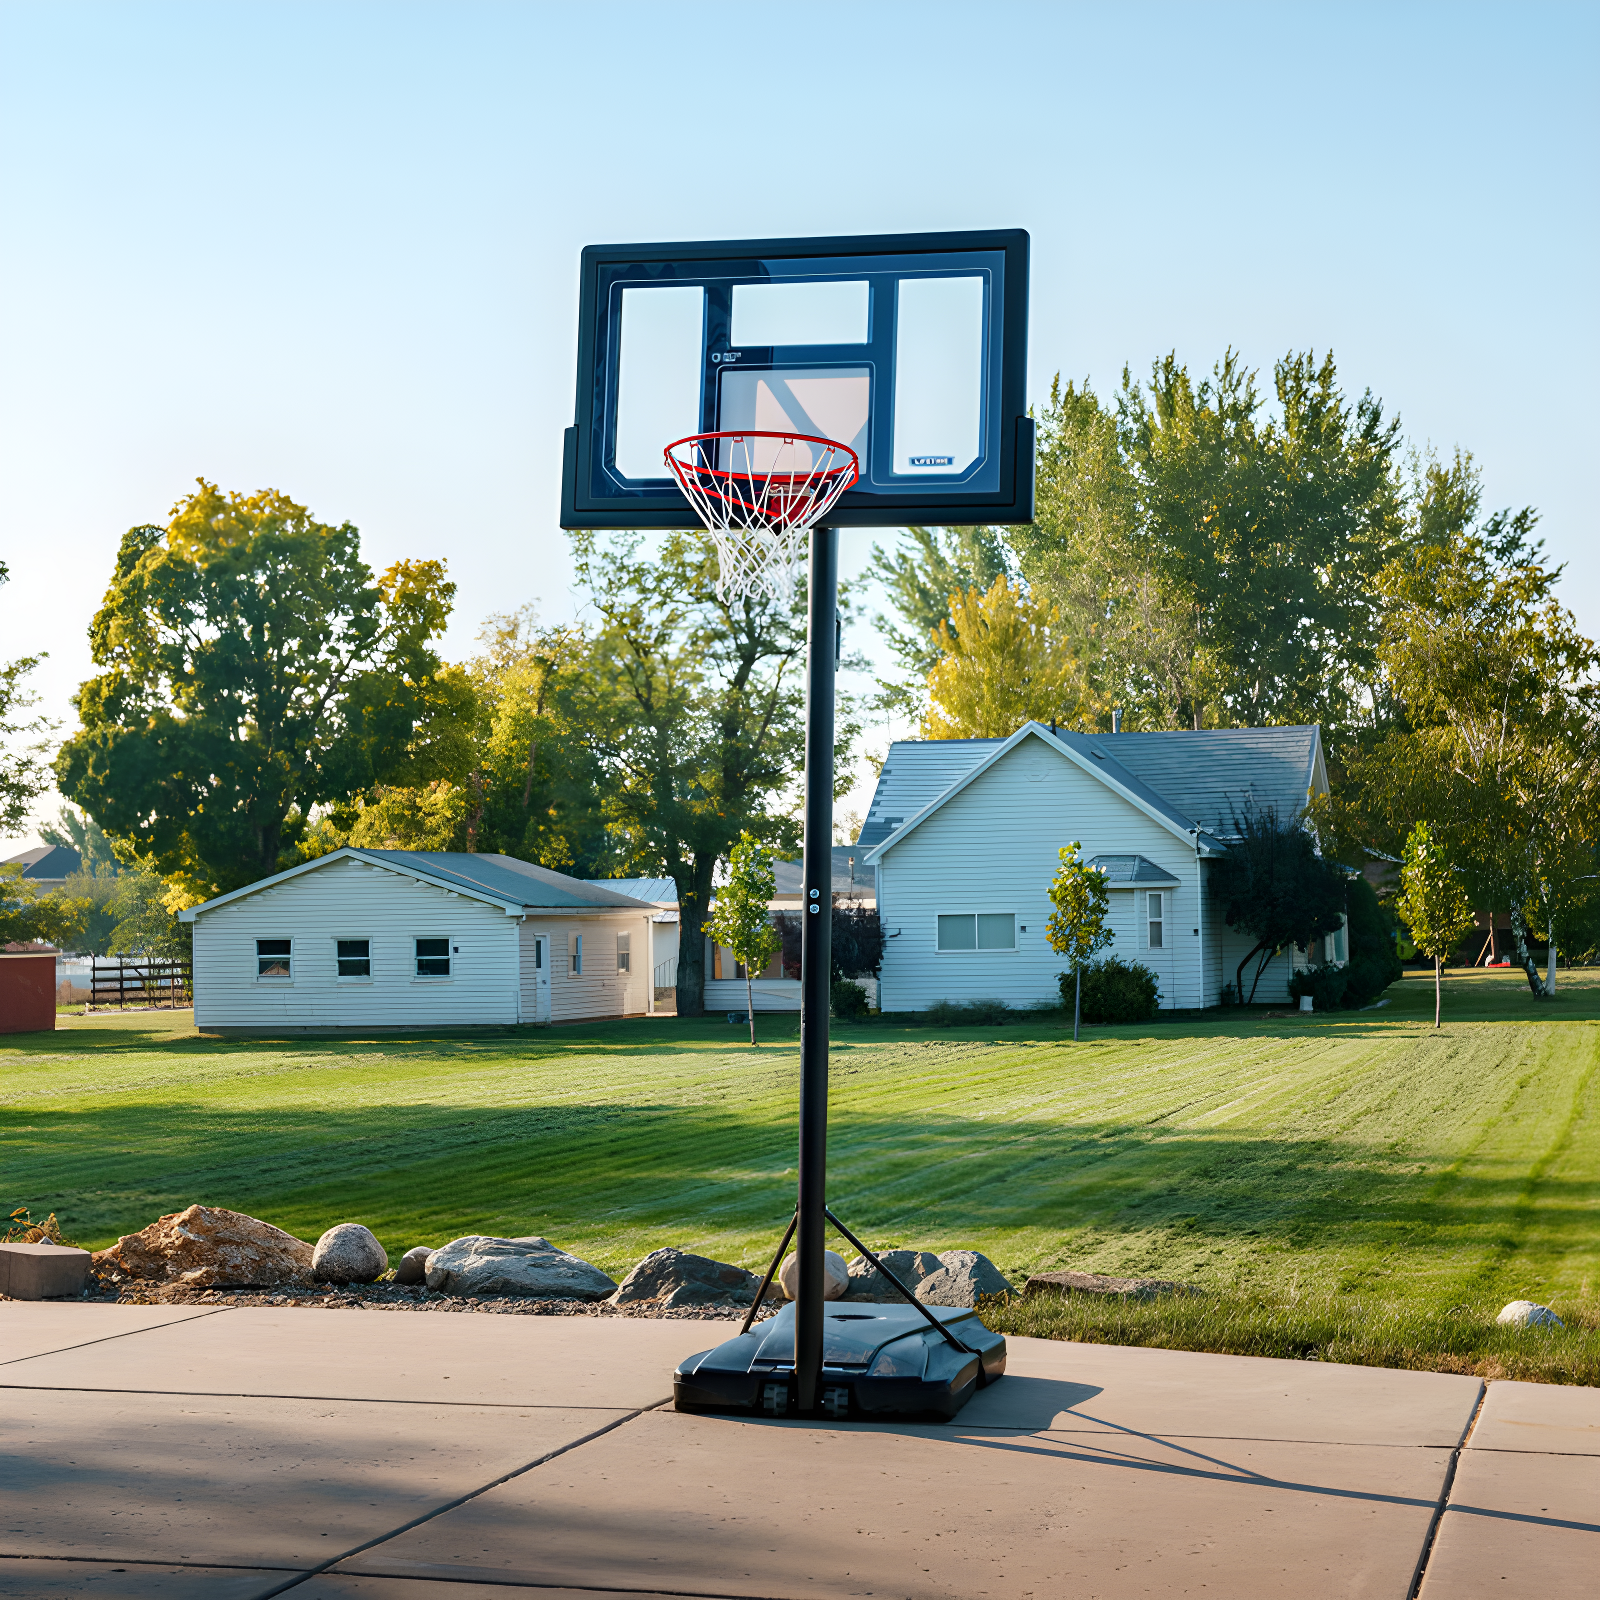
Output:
(401, 939)
(963, 835)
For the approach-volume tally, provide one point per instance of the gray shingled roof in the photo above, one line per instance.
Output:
(504, 878)
(1126, 871)
(1196, 779)
(858, 880)
(47, 861)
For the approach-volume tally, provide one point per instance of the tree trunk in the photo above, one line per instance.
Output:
(1438, 987)
(1519, 936)
(750, 1001)
(1077, 1000)
(693, 898)
(1550, 974)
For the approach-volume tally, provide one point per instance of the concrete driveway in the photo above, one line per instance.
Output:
(240, 1453)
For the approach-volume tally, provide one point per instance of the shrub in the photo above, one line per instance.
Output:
(848, 1000)
(1327, 986)
(1115, 991)
(969, 1013)
(1374, 962)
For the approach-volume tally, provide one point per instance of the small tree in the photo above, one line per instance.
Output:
(1433, 903)
(1274, 886)
(1077, 927)
(741, 920)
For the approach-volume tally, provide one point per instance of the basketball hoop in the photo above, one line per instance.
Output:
(759, 495)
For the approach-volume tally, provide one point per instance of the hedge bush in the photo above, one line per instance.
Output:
(848, 1000)
(1115, 991)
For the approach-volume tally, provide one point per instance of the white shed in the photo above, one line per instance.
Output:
(400, 939)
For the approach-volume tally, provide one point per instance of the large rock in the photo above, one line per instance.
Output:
(349, 1253)
(909, 1266)
(963, 1275)
(1528, 1314)
(413, 1266)
(1063, 1283)
(478, 1264)
(836, 1276)
(206, 1247)
(667, 1278)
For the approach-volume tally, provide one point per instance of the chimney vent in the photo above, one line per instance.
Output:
(1116, 720)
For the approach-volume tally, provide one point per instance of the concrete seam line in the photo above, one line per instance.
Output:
(152, 1561)
(330, 1399)
(460, 1500)
(1437, 1519)
(131, 1333)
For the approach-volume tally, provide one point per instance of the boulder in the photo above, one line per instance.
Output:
(413, 1266)
(909, 1266)
(836, 1276)
(1528, 1314)
(963, 1275)
(349, 1253)
(207, 1247)
(1063, 1283)
(667, 1278)
(479, 1264)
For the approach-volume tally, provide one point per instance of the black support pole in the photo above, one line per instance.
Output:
(816, 938)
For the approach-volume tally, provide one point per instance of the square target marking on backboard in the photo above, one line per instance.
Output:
(909, 348)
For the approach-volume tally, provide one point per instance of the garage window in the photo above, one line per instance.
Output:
(354, 957)
(433, 958)
(274, 958)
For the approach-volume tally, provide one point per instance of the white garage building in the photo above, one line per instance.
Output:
(403, 939)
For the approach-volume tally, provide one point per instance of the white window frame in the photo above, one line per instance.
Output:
(450, 954)
(273, 977)
(574, 953)
(1000, 950)
(346, 938)
(1155, 917)
(625, 951)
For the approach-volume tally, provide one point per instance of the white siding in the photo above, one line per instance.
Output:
(349, 900)
(600, 990)
(993, 847)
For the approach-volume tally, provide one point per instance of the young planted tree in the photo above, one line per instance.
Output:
(1274, 887)
(741, 918)
(1432, 904)
(1077, 926)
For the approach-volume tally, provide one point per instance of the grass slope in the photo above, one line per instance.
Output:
(1354, 1186)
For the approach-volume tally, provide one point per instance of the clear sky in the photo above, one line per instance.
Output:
(332, 248)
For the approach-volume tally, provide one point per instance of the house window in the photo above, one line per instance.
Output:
(575, 955)
(624, 951)
(273, 959)
(433, 958)
(1156, 922)
(985, 930)
(354, 957)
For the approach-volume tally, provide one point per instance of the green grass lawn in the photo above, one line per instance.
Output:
(1354, 1186)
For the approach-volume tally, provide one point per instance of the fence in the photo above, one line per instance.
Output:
(144, 984)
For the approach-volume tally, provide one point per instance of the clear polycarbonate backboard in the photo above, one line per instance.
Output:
(909, 348)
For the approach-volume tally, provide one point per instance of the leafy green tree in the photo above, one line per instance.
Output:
(1004, 658)
(147, 924)
(252, 668)
(1077, 926)
(741, 918)
(26, 916)
(920, 575)
(73, 830)
(24, 773)
(1495, 724)
(1432, 903)
(1274, 887)
(694, 707)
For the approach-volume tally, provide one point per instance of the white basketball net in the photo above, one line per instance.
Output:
(759, 495)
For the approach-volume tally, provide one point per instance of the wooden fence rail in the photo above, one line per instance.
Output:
(143, 984)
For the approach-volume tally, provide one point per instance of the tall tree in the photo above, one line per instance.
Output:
(1004, 657)
(24, 773)
(1495, 738)
(73, 830)
(696, 715)
(252, 669)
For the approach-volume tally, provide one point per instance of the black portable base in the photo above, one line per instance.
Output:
(877, 1361)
